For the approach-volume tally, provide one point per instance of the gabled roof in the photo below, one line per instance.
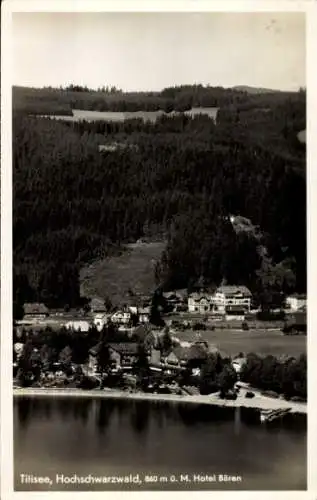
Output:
(128, 348)
(182, 293)
(144, 310)
(233, 289)
(172, 357)
(176, 294)
(35, 308)
(97, 304)
(199, 296)
(101, 315)
(121, 312)
(169, 295)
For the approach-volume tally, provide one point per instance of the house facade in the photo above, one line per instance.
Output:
(237, 365)
(35, 310)
(225, 300)
(144, 315)
(100, 320)
(124, 354)
(296, 302)
(200, 303)
(122, 317)
(230, 297)
(97, 306)
(176, 300)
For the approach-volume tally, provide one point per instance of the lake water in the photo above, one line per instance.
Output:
(119, 116)
(103, 437)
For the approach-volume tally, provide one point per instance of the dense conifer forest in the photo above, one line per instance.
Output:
(183, 176)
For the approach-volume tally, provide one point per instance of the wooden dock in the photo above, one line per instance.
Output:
(270, 415)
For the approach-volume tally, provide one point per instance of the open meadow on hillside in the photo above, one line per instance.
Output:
(121, 278)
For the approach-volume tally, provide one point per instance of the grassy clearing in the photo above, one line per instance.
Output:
(232, 342)
(132, 271)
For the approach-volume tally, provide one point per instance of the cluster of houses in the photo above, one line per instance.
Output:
(230, 302)
(37, 313)
(225, 303)
(164, 361)
(180, 355)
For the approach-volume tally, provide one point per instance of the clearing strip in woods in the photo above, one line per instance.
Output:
(116, 277)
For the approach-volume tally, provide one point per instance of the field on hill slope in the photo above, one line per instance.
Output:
(125, 277)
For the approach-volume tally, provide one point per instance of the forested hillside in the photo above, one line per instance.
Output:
(184, 176)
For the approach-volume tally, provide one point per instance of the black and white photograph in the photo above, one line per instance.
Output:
(159, 256)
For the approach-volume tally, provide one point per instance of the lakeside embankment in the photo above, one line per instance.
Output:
(259, 402)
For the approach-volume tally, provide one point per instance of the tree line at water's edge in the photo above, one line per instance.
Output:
(184, 178)
(67, 348)
(63, 100)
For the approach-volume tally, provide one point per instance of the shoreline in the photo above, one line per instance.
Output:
(259, 402)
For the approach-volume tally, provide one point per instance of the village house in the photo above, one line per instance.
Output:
(228, 296)
(133, 310)
(97, 306)
(176, 300)
(172, 359)
(35, 311)
(201, 303)
(296, 302)
(237, 364)
(122, 356)
(18, 349)
(124, 353)
(93, 363)
(78, 326)
(100, 320)
(122, 317)
(191, 356)
(144, 315)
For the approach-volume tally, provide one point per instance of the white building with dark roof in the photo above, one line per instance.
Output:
(296, 302)
(100, 320)
(230, 297)
(200, 303)
(78, 326)
(225, 299)
(35, 310)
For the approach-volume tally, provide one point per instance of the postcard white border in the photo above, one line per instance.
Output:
(9, 6)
